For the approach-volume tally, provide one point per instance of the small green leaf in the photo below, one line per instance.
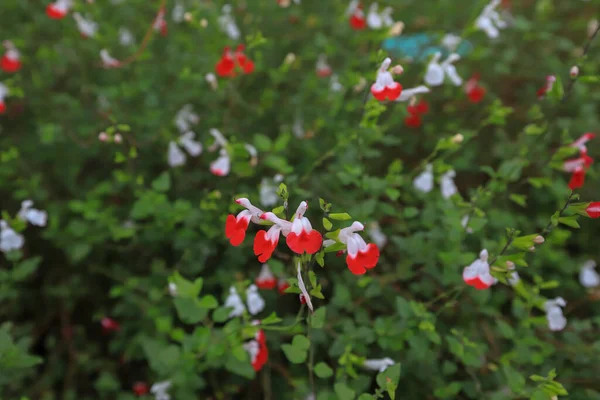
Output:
(271, 319)
(327, 224)
(569, 221)
(343, 392)
(340, 216)
(317, 320)
(323, 370)
(162, 183)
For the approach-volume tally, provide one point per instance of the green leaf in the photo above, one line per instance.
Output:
(388, 379)
(569, 221)
(162, 183)
(323, 370)
(589, 79)
(519, 199)
(317, 319)
(186, 288)
(340, 216)
(294, 354)
(208, 302)
(189, 310)
(301, 342)
(327, 224)
(343, 392)
(271, 319)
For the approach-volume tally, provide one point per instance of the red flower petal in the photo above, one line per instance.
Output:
(225, 67)
(140, 388)
(2, 107)
(593, 210)
(235, 230)
(577, 179)
(379, 94)
(304, 242)
(393, 91)
(477, 283)
(364, 260)
(282, 285)
(54, 12)
(264, 248)
(422, 107)
(412, 121)
(266, 284)
(476, 94)
(358, 23)
(10, 65)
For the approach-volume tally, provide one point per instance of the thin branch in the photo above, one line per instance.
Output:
(586, 49)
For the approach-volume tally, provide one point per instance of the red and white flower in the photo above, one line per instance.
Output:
(3, 93)
(282, 285)
(265, 242)
(108, 61)
(357, 15)
(302, 237)
(265, 279)
(415, 111)
(474, 91)
(222, 165)
(579, 166)
(236, 226)
(541, 93)
(323, 68)
(86, 27)
(59, 9)
(478, 273)
(257, 349)
(385, 88)
(581, 142)
(361, 256)
(593, 209)
(11, 60)
(160, 23)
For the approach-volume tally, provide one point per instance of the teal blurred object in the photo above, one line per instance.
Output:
(420, 46)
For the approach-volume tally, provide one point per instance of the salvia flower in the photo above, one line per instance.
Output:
(255, 302)
(474, 91)
(413, 120)
(424, 181)
(385, 88)
(226, 67)
(302, 237)
(186, 118)
(32, 215)
(108, 61)
(86, 27)
(323, 69)
(282, 285)
(588, 277)
(59, 9)
(265, 279)
(236, 226)
(554, 314)
(126, 38)
(593, 209)
(374, 19)
(436, 72)
(265, 242)
(451, 41)
(579, 166)
(580, 143)
(11, 60)
(548, 85)
(140, 388)
(478, 273)
(257, 350)
(357, 15)
(234, 301)
(9, 239)
(159, 390)
(178, 13)
(304, 296)
(380, 364)
(175, 156)
(3, 93)
(361, 256)
(227, 23)
(110, 325)
(160, 23)
(409, 94)
(222, 165)
(489, 20)
(447, 185)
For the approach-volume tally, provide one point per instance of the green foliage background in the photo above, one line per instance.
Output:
(357, 155)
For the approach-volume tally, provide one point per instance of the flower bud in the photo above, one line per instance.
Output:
(510, 264)
(574, 71)
(538, 239)
(212, 80)
(118, 138)
(458, 138)
(397, 29)
(103, 137)
(203, 23)
(397, 70)
(531, 249)
(188, 16)
(290, 58)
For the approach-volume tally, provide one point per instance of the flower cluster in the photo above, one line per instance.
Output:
(229, 62)
(253, 299)
(413, 120)
(424, 182)
(11, 240)
(374, 19)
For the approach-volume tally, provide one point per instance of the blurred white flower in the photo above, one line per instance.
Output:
(126, 37)
(221, 166)
(176, 156)
(436, 72)
(193, 147)
(178, 12)
(588, 277)
(86, 27)
(378, 237)
(374, 20)
(451, 41)
(108, 61)
(234, 301)
(424, 181)
(554, 314)
(447, 185)
(255, 302)
(32, 215)
(159, 390)
(227, 23)
(380, 364)
(268, 190)
(489, 20)
(9, 239)
(408, 94)
(185, 118)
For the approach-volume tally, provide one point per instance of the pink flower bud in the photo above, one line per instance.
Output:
(510, 264)
(103, 137)
(531, 249)
(538, 239)
(118, 138)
